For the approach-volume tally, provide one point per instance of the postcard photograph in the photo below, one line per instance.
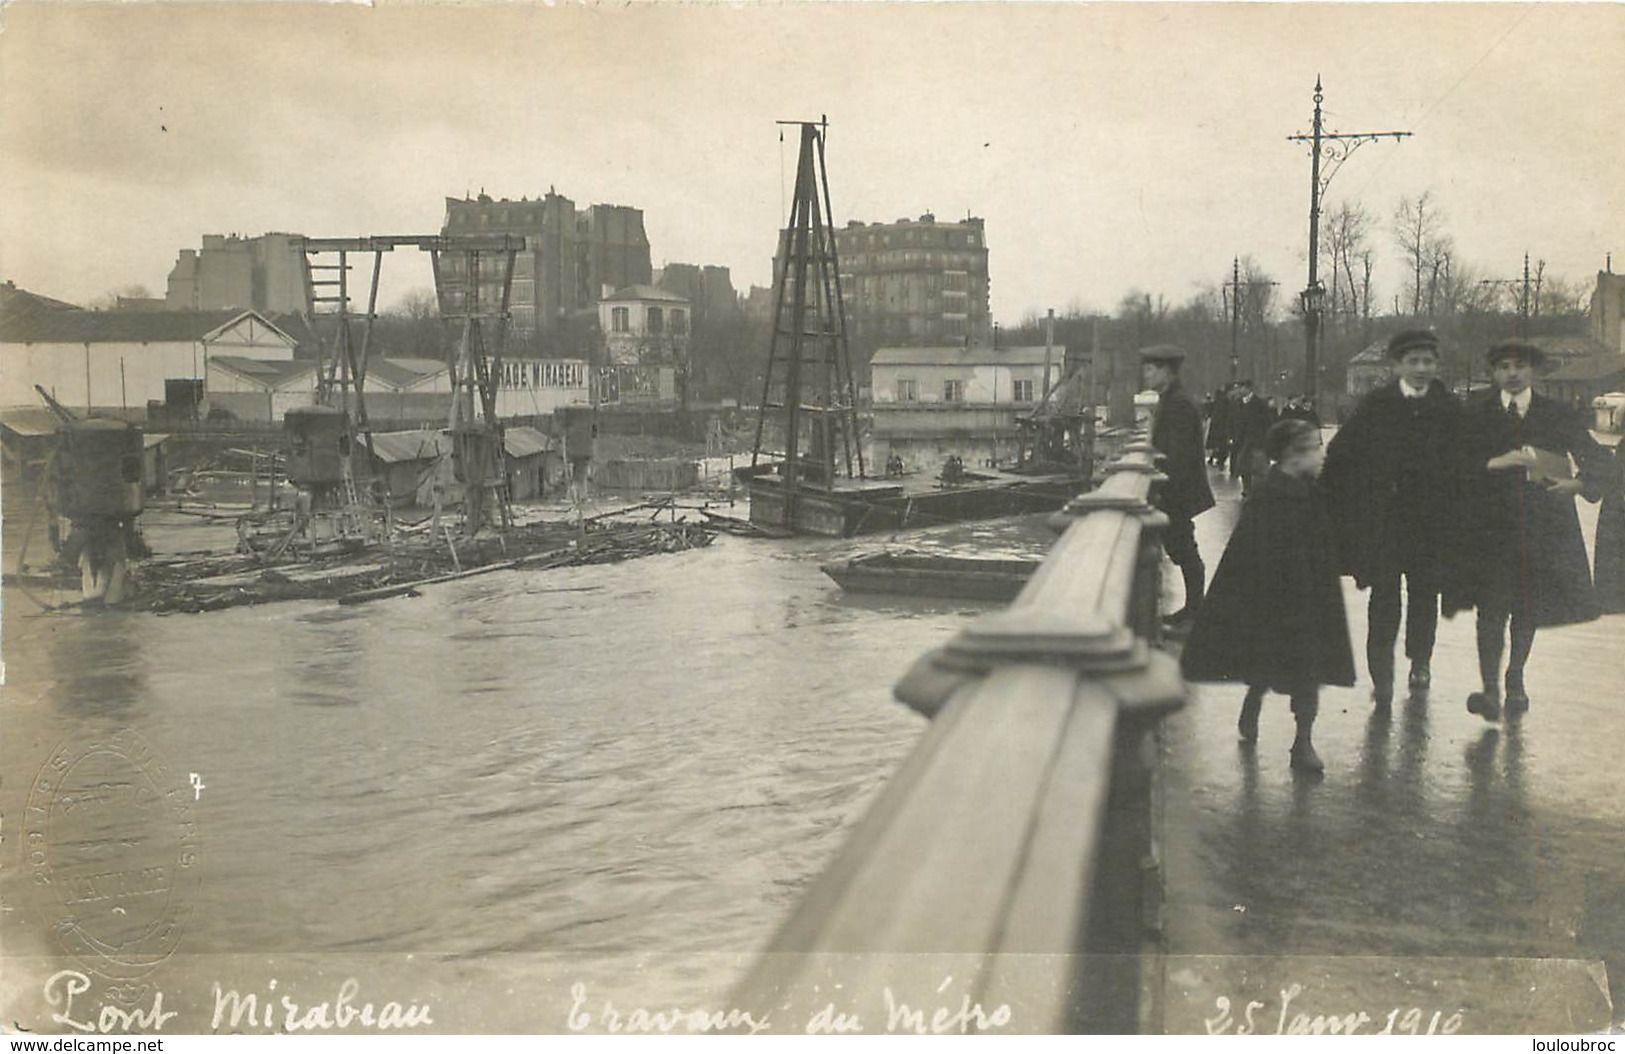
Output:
(812, 518)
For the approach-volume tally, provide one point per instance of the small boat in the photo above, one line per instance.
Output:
(932, 575)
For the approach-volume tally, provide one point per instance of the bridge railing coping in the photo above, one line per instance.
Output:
(1015, 847)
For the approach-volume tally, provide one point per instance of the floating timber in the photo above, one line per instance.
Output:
(932, 575)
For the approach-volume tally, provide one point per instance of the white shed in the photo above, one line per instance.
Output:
(121, 360)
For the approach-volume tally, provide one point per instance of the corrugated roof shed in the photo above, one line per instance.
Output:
(270, 372)
(420, 445)
(28, 420)
(1376, 352)
(403, 373)
(113, 327)
(523, 441)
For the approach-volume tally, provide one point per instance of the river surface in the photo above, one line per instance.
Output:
(642, 763)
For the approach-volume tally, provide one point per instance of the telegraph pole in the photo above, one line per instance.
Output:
(1335, 147)
(1233, 290)
(1522, 285)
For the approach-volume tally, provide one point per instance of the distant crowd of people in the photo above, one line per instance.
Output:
(1238, 419)
(1459, 506)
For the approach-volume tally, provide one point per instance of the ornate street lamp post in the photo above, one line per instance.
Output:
(1334, 148)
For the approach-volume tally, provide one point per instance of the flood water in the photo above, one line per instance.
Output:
(649, 760)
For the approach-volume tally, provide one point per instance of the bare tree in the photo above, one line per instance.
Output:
(1417, 227)
(1440, 257)
(415, 329)
(1558, 296)
(1345, 240)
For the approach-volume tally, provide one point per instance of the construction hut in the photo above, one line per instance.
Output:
(1582, 381)
(526, 452)
(26, 432)
(410, 464)
(246, 389)
(154, 464)
(1369, 369)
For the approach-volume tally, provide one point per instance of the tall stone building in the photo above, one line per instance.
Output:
(572, 259)
(264, 274)
(708, 288)
(915, 282)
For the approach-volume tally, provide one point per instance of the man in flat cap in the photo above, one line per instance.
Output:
(1390, 476)
(1176, 432)
(1522, 558)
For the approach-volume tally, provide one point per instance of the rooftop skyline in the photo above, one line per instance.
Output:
(1107, 147)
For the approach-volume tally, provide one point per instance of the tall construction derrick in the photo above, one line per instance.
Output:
(809, 370)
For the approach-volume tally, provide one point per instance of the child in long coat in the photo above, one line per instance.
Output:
(1522, 562)
(1273, 618)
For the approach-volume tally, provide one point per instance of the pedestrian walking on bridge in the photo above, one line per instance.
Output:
(1523, 560)
(1274, 619)
(1176, 432)
(1390, 475)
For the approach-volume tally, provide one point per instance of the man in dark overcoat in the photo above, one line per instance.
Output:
(1250, 420)
(1390, 475)
(1524, 561)
(1176, 432)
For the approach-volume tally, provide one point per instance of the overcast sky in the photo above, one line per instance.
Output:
(1107, 146)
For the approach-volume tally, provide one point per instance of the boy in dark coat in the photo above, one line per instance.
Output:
(1389, 475)
(1273, 618)
(1524, 558)
(1176, 432)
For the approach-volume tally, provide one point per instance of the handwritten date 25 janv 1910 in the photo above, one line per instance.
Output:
(1256, 1019)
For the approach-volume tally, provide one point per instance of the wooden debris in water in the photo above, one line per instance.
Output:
(403, 566)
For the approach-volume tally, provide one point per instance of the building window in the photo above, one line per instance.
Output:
(620, 319)
(1024, 391)
(908, 390)
(953, 391)
(679, 320)
(657, 321)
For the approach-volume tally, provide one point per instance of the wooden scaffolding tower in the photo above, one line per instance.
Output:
(809, 370)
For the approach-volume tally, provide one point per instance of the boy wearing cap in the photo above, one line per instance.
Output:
(1176, 432)
(1274, 617)
(1525, 561)
(1389, 475)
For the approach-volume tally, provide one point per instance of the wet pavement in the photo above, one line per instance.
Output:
(1442, 863)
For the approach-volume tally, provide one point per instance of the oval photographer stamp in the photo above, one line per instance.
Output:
(110, 839)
